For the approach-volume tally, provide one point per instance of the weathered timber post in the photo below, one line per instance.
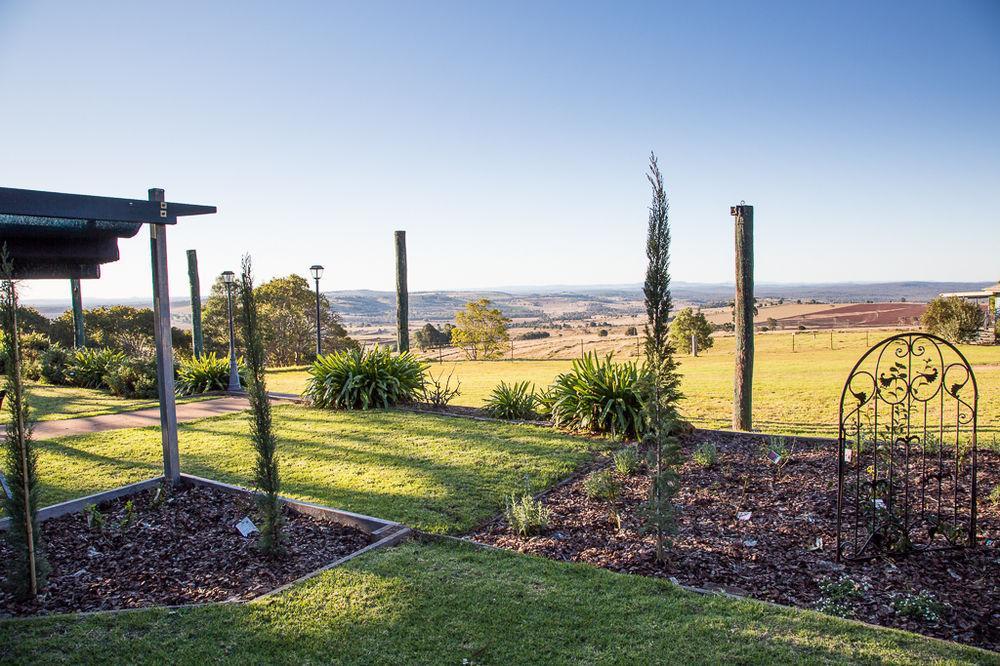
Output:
(196, 335)
(79, 335)
(164, 347)
(694, 345)
(402, 296)
(743, 387)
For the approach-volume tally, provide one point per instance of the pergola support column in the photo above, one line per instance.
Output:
(79, 337)
(164, 346)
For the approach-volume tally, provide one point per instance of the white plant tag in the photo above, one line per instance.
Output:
(879, 504)
(744, 516)
(246, 527)
(848, 455)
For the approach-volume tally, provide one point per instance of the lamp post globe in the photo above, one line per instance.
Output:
(229, 277)
(317, 272)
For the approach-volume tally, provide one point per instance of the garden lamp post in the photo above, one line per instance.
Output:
(317, 273)
(234, 374)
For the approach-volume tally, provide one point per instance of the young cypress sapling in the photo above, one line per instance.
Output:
(266, 476)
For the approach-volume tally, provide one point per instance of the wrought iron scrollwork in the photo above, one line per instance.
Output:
(907, 450)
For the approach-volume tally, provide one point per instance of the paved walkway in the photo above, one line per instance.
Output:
(188, 411)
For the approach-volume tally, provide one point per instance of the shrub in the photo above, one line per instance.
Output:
(953, 318)
(515, 401)
(603, 333)
(627, 461)
(132, 378)
(525, 514)
(88, 367)
(923, 607)
(994, 496)
(534, 335)
(365, 379)
(437, 393)
(836, 596)
(598, 395)
(602, 485)
(631, 330)
(208, 373)
(706, 455)
(55, 364)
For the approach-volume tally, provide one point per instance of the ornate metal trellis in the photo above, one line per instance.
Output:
(907, 450)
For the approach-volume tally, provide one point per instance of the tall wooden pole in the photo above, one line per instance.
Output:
(743, 387)
(79, 335)
(196, 335)
(402, 296)
(164, 346)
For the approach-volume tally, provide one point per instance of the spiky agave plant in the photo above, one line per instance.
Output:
(266, 477)
(515, 401)
(208, 373)
(600, 395)
(365, 379)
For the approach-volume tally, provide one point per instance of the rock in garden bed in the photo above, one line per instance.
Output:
(179, 547)
(743, 532)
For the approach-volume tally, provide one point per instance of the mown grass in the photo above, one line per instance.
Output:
(436, 473)
(794, 392)
(52, 403)
(453, 604)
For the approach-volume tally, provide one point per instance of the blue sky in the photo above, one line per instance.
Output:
(510, 140)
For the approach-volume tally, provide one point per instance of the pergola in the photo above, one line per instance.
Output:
(52, 235)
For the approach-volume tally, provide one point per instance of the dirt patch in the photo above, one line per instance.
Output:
(784, 550)
(858, 315)
(180, 548)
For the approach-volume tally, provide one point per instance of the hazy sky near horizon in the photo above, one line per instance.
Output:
(510, 140)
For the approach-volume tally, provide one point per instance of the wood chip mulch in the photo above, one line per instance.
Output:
(181, 547)
(784, 550)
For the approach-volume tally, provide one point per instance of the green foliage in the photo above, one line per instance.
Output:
(430, 336)
(706, 455)
(631, 331)
(534, 335)
(439, 393)
(954, 319)
(121, 328)
(515, 401)
(525, 514)
(994, 496)
(95, 519)
(598, 395)
(208, 373)
(132, 378)
(838, 595)
(88, 366)
(603, 333)
(922, 606)
(266, 476)
(365, 379)
(602, 485)
(481, 330)
(55, 364)
(627, 461)
(27, 566)
(687, 323)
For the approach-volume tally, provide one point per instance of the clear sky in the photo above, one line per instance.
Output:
(510, 140)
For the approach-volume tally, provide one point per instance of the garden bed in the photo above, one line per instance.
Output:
(171, 549)
(785, 551)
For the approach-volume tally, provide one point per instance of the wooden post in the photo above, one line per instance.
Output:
(196, 335)
(79, 335)
(164, 348)
(793, 343)
(694, 345)
(743, 387)
(402, 296)
(831, 338)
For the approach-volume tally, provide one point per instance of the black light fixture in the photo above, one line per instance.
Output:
(229, 278)
(317, 273)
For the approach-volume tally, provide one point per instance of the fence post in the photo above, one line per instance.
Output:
(744, 305)
(196, 336)
(402, 296)
(694, 345)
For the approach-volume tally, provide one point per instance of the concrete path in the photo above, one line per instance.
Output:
(188, 411)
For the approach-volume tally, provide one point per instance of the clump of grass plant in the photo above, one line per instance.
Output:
(525, 515)
(602, 485)
(365, 379)
(514, 402)
(706, 455)
(208, 373)
(599, 395)
(627, 461)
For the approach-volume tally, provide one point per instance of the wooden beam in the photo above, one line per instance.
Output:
(164, 348)
(743, 307)
(37, 203)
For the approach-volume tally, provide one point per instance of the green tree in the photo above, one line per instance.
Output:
(661, 382)
(954, 319)
(430, 336)
(690, 322)
(481, 330)
(266, 477)
(287, 312)
(120, 327)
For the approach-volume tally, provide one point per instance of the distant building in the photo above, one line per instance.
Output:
(988, 298)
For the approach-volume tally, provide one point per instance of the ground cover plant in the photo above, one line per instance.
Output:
(436, 473)
(742, 530)
(365, 379)
(442, 603)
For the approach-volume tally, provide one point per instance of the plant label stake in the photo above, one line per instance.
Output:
(246, 527)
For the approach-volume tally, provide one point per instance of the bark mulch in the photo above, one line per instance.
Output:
(785, 550)
(179, 547)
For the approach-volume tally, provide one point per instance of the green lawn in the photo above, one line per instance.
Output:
(52, 403)
(436, 473)
(794, 392)
(453, 604)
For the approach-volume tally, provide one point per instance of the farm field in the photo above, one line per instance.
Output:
(435, 473)
(442, 603)
(794, 392)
